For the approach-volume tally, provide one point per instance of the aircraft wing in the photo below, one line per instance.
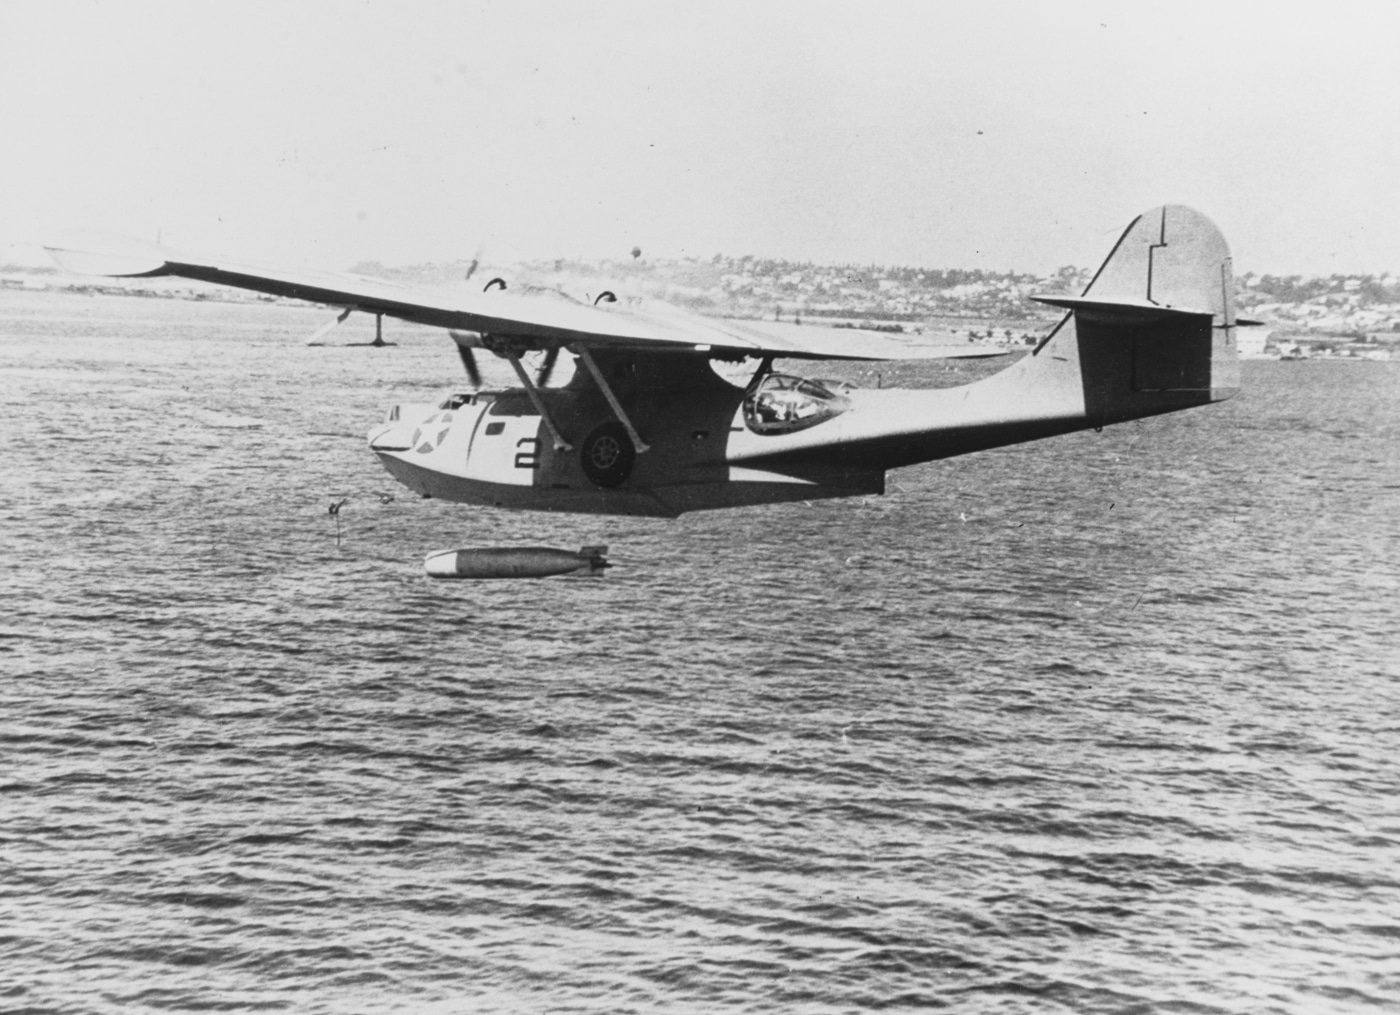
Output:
(536, 321)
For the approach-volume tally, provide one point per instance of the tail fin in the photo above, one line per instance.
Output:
(597, 561)
(1155, 329)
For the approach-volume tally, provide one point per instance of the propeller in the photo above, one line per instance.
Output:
(464, 351)
(551, 356)
(476, 263)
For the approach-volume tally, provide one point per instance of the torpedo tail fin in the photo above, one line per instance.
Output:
(597, 559)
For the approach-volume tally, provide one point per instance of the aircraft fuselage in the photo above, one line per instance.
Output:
(496, 448)
(706, 443)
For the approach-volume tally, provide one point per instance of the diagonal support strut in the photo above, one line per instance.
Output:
(560, 444)
(607, 391)
(325, 329)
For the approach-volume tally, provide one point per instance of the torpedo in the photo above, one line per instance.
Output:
(515, 562)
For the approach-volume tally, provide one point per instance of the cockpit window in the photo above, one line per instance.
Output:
(781, 403)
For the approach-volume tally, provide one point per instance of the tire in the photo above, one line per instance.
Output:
(608, 455)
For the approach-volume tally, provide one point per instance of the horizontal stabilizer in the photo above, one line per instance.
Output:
(1120, 310)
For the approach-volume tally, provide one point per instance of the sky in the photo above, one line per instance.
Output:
(999, 135)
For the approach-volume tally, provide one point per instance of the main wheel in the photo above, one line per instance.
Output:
(608, 455)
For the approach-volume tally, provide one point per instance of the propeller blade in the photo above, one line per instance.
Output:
(476, 263)
(551, 356)
(464, 352)
(469, 363)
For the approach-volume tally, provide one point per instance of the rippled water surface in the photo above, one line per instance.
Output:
(1109, 723)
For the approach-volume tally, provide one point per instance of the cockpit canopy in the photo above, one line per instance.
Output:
(782, 403)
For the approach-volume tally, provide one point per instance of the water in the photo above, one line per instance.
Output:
(1102, 724)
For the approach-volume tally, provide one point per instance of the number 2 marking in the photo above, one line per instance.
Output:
(529, 458)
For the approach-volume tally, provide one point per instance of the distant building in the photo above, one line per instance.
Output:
(1253, 340)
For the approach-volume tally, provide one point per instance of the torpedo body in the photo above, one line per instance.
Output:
(515, 562)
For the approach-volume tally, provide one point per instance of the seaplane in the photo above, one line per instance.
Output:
(647, 425)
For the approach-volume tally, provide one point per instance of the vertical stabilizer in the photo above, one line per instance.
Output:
(1170, 257)
(1155, 329)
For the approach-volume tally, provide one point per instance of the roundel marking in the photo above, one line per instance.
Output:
(431, 444)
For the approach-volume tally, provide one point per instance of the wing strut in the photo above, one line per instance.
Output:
(325, 329)
(587, 358)
(560, 444)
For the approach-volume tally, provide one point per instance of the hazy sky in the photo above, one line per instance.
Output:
(1002, 135)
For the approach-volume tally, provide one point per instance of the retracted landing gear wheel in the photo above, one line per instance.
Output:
(608, 455)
